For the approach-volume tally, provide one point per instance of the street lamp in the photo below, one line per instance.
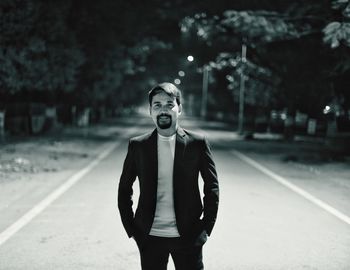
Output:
(205, 91)
(205, 81)
(241, 91)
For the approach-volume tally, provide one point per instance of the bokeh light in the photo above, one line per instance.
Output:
(190, 58)
(177, 81)
(181, 73)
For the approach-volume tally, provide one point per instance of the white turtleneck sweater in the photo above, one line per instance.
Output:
(164, 223)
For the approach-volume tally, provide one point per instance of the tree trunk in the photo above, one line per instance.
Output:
(2, 125)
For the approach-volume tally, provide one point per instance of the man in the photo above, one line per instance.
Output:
(167, 163)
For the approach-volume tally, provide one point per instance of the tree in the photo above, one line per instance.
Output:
(288, 43)
(37, 50)
(82, 53)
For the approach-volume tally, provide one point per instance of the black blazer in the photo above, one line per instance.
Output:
(192, 156)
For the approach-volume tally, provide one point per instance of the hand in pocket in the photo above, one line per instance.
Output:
(201, 238)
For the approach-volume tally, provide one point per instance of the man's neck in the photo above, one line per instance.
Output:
(167, 132)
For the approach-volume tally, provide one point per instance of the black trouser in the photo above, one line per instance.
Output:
(155, 252)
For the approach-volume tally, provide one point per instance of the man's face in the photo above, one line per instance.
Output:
(165, 111)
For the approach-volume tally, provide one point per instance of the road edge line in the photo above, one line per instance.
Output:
(281, 180)
(49, 199)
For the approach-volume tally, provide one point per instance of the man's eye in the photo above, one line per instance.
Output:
(156, 106)
(170, 106)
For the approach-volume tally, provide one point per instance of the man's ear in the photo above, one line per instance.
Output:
(150, 110)
(180, 109)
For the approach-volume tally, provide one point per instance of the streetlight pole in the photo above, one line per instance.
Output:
(241, 91)
(205, 91)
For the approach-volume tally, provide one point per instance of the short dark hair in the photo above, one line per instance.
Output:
(167, 88)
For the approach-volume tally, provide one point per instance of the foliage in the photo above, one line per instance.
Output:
(337, 32)
(260, 80)
(96, 52)
(116, 66)
(288, 44)
(65, 46)
(31, 52)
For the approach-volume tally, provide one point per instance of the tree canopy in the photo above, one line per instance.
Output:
(84, 50)
(90, 52)
(302, 49)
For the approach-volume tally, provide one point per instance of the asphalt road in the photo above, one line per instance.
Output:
(262, 224)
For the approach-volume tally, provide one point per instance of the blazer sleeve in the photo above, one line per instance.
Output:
(125, 190)
(211, 187)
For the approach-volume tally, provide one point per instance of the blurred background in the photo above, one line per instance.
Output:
(268, 82)
(261, 66)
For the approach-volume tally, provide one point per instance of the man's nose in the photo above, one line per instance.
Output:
(164, 108)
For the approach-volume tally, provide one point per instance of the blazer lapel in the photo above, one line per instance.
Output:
(152, 154)
(180, 147)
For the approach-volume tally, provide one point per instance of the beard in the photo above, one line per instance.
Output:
(164, 121)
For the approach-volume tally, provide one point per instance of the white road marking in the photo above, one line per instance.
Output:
(293, 187)
(41, 206)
